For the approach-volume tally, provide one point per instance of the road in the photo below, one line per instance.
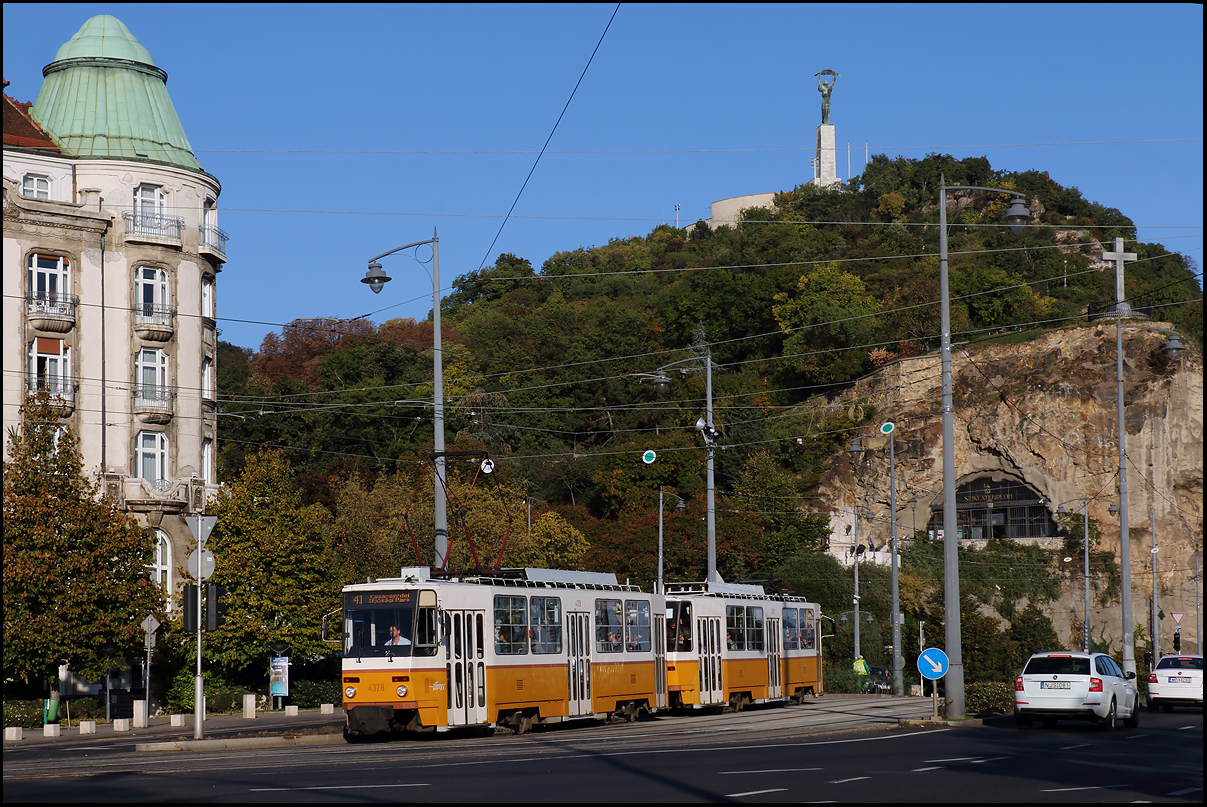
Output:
(845, 749)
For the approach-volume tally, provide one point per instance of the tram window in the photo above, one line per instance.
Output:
(608, 626)
(735, 627)
(481, 644)
(808, 639)
(426, 640)
(678, 626)
(791, 629)
(378, 623)
(754, 628)
(546, 613)
(637, 626)
(511, 625)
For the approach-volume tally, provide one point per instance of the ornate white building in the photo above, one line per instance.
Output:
(111, 257)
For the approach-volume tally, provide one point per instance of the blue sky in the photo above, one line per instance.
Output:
(339, 132)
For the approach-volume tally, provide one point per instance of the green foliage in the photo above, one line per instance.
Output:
(313, 694)
(26, 714)
(989, 698)
(274, 557)
(75, 576)
(830, 322)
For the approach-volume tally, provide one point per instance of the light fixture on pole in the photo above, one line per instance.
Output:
(1017, 217)
(1060, 510)
(708, 431)
(375, 278)
(680, 505)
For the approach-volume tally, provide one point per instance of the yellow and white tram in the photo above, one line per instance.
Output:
(520, 647)
(733, 644)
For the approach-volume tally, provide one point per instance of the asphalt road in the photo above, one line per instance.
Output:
(845, 749)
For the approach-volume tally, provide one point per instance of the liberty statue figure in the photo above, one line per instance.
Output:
(825, 90)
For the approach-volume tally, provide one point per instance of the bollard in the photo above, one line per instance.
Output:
(121, 724)
(87, 727)
(249, 706)
(178, 720)
(140, 714)
(51, 730)
(291, 711)
(13, 733)
(327, 709)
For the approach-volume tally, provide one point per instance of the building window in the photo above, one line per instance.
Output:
(151, 374)
(997, 507)
(207, 461)
(148, 205)
(207, 297)
(152, 458)
(49, 278)
(160, 570)
(35, 187)
(207, 379)
(151, 289)
(49, 365)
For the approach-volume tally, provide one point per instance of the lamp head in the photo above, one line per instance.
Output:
(375, 278)
(1174, 347)
(1113, 509)
(680, 505)
(1018, 215)
(662, 382)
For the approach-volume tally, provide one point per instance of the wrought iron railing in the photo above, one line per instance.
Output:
(49, 302)
(155, 224)
(213, 238)
(152, 397)
(57, 386)
(148, 314)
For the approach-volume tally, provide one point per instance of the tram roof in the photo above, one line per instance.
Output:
(526, 577)
(721, 589)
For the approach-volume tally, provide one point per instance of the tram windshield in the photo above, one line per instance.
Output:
(378, 623)
(678, 626)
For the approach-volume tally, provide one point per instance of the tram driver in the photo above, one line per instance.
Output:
(396, 638)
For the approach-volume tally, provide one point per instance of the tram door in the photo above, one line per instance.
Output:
(708, 640)
(660, 660)
(466, 658)
(578, 663)
(775, 667)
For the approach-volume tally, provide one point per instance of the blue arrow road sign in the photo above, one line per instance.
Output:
(933, 663)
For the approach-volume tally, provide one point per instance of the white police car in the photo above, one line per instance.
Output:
(1073, 685)
(1176, 681)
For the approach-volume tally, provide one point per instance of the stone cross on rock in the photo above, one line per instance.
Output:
(1122, 309)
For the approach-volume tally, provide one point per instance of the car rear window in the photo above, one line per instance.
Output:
(1180, 664)
(1045, 665)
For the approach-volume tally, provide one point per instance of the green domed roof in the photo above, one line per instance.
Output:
(104, 37)
(103, 97)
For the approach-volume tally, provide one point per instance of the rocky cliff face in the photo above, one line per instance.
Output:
(1044, 413)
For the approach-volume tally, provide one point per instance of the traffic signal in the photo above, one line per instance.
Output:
(191, 611)
(1177, 641)
(1148, 659)
(214, 606)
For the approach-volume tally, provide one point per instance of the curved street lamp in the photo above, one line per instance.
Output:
(1017, 217)
(375, 279)
(680, 505)
(1085, 506)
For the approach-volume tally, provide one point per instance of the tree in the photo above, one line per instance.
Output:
(75, 567)
(273, 556)
(831, 318)
(554, 544)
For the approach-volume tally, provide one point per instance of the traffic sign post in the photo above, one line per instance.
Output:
(933, 664)
(201, 526)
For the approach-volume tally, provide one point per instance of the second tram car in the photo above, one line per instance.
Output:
(520, 647)
(733, 644)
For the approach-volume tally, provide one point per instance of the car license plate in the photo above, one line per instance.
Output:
(1053, 684)
(1179, 680)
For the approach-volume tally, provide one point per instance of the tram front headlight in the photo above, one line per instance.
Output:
(350, 692)
(402, 691)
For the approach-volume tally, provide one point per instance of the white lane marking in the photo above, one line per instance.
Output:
(1071, 747)
(769, 770)
(754, 793)
(953, 759)
(1071, 789)
(990, 759)
(1134, 736)
(932, 768)
(1184, 792)
(844, 781)
(1187, 728)
(333, 787)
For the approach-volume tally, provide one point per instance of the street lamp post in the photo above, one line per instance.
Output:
(1016, 216)
(375, 278)
(679, 505)
(1060, 509)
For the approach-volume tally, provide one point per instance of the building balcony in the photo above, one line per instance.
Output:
(152, 228)
(51, 312)
(154, 404)
(61, 390)
(155, 323)
(213, 242)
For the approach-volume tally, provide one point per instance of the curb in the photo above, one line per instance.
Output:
(243, 742)
(970, 722)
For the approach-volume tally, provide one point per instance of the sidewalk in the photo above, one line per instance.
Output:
(276, 723)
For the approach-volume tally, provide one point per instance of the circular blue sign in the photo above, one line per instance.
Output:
(933, 663)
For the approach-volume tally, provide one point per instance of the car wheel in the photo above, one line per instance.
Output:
(1133, 720)
(1108, 723)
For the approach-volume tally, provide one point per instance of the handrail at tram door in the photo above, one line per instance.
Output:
(340, 638)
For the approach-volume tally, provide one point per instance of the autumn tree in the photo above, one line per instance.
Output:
(830, 319)
(273, 556)
(75, 567)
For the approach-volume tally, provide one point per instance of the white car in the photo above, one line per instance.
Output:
(1072, 685)
(1176, 680)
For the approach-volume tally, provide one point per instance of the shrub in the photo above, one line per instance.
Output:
(312, 694)
(26, 714)
(989, 698)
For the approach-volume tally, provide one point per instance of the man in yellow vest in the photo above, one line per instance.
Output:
(861, 674)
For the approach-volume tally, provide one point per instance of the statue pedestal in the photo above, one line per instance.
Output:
(825, 171)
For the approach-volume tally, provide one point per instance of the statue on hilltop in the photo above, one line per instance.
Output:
(825, 90)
